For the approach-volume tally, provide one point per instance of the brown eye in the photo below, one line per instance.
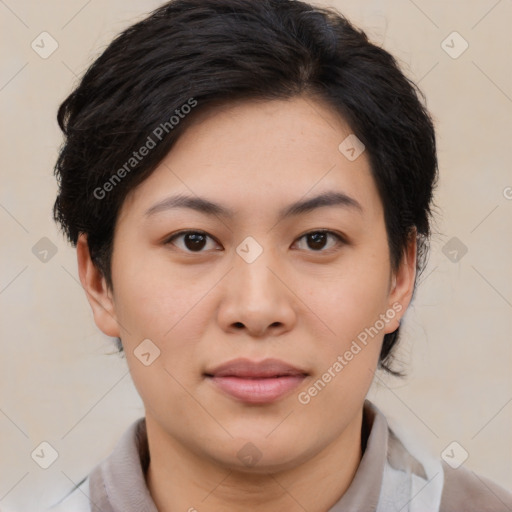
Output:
(191, 241)
(317, 240)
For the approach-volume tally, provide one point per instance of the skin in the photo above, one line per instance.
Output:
(298, 302)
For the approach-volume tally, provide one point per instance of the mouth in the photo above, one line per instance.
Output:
(256, 382)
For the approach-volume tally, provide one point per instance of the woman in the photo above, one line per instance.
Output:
(249, 188)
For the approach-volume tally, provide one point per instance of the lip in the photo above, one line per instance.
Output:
(256, 382)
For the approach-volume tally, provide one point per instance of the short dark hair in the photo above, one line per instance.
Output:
(204, 53)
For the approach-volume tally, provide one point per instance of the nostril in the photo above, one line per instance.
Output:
(239, 324)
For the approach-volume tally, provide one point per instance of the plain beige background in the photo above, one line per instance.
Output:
(60, 379)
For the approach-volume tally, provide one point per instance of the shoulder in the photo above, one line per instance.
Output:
(76, 501)
(465, 490)
(451, 490)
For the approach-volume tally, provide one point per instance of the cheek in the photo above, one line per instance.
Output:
(151, 299)
(348, 300)
(170, 314)
(348, 349)
(168, 308)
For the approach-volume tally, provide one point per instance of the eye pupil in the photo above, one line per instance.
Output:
(197, 241)
(318, 240)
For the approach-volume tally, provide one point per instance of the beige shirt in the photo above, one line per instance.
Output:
(389, 479)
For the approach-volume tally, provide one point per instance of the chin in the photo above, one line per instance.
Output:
(260, 455)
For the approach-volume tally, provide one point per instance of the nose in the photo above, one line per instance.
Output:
(256, 298)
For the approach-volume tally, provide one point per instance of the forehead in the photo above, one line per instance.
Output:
(258, 153)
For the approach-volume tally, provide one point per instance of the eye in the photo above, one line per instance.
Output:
(317, 240)
(196, 241)
(192, 241)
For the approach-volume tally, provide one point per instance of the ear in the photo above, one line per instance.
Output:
(98, 294)
(402, 283)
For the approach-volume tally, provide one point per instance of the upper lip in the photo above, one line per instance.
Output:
(254, 369)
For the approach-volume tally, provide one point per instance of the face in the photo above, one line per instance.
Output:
(254, 278)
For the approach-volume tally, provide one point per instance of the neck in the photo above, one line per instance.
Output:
(179, 479)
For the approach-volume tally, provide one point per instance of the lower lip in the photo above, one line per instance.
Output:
(258, 391)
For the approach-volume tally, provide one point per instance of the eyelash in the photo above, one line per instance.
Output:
(340, 239)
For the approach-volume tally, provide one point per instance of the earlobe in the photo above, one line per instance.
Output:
(97, 291)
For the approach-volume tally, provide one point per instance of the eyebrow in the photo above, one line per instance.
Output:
(208, 207)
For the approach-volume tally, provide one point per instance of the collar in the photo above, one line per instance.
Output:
(387, 474)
